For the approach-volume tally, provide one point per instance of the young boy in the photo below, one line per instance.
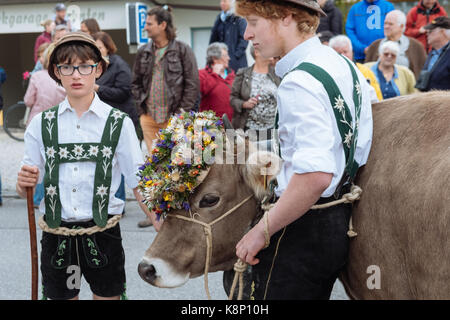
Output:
(321, 97)
(79, 149)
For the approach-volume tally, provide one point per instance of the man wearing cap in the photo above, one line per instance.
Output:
(325, 132)
(436, 71)
(60, 17)
(79, 149)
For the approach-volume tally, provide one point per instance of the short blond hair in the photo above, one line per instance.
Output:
(307, 20)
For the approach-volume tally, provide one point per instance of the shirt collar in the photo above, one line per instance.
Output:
(296, 56)
(97, 107)
(375, 69)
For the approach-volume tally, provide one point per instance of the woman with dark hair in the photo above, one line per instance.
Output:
(89, 26)
(253, 96)
(114, 86)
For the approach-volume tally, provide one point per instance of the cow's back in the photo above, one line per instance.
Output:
(402, 219)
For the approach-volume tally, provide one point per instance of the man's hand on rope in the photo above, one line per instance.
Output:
(253, 242)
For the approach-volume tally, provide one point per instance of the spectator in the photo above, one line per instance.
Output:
(42, 94)
(365, 24)
(253, 96)
(114, 86)
(343, 45)
(89, 26)
(436, 71)
(44, 37)
(325, 37)
(421, 15)
(165, 76)
(216, 81)
(412, 54)
(333, 20)
(394, 80)
(2, 80)
(59, 32)
(38, 66)
(229, 29)
(60, 17)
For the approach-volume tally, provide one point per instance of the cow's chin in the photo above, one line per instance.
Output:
(160, 274)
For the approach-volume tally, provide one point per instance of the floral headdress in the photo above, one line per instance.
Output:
(177, 162)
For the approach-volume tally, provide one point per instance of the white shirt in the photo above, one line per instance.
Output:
(309, 136)
(76, 180)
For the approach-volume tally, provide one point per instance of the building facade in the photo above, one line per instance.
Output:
(20, 26)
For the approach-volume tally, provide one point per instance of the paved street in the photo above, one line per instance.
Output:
(15, 269)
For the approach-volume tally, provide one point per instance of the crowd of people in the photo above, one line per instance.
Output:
(396, 53)
(403, 54)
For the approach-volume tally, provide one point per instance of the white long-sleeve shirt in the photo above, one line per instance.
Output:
(76, 180)
(309, 136)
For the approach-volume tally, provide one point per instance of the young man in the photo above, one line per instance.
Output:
(308, 248)
(165, 77)
(79, 149)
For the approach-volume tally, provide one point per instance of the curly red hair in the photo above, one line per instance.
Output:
(307, 20)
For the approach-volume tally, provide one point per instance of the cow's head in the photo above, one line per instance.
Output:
(179, 249)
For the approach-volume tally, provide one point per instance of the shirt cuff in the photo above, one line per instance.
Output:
(314, 160)
(132, 180)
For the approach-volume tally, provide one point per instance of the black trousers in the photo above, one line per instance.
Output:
(304, 259)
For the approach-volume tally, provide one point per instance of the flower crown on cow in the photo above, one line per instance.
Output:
(179, 160)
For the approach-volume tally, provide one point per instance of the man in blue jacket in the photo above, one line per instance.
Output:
(229, 29)
(365, 22)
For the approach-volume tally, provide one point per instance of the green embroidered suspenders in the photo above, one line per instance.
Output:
(102, 153)
(347, 128)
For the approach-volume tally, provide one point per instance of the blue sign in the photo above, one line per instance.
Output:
(141, 18)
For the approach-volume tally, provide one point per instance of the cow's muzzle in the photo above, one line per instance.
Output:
(161, 274)
(147, 272)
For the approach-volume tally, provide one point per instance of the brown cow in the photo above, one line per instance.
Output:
(402, 250)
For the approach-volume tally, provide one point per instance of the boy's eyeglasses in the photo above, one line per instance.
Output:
(83, 69)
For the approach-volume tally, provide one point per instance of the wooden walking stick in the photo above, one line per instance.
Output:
(33, 245)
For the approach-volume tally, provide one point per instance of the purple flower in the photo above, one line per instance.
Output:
(142, 167)
(186, 206)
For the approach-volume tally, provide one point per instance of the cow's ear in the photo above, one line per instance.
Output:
(260, 169)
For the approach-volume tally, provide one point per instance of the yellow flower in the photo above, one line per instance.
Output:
(189, 185)
(167, 196)
(149, 183)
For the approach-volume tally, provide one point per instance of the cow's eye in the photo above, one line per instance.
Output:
(209, 200)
